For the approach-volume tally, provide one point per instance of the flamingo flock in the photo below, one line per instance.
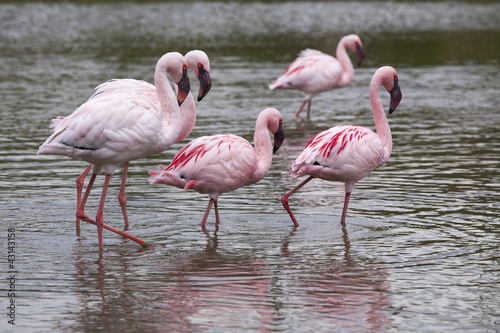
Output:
(126, 120)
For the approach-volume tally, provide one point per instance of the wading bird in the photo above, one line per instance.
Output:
(218, 164)
(116, 128)
(349, 153)
(199, 63)
(314, 71)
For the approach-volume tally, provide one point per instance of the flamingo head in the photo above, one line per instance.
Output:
(353, 42)
(361, 53)
(200, 64)
(279, 137)
(205, 82)
(183, 86)
(396, 94)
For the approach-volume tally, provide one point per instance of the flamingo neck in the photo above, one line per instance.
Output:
(263, 149)
(171, 115)
(188, 116)
(381, 123)
(345, 62)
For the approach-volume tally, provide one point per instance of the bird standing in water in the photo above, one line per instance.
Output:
(218, 164)
(314, 71)
(349, 153)
(112, 129)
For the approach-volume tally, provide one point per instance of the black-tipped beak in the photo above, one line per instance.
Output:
(361, 54)
(279, 137)
(396, 96)
(205, 83)
(183, 87)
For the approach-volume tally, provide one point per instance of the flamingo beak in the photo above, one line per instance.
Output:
(361, 53)
(279, 137)
(396, 96)
(205, 83)
(183, 87)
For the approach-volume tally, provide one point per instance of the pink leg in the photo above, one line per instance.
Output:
(121, 197)
(344, 211)
(284, 199)
(100, 211)
(217, 220)
(301, 107)
(206, 213)
(309, 110)
(79, 188)
(80, 214)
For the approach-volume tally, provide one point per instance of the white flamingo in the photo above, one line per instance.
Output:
(314, 71)
(218, 164)
(199, 63)
(116, 128)
(349, 153)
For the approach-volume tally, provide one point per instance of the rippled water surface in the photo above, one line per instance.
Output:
(420, 252)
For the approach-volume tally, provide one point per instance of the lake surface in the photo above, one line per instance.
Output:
(420, 252)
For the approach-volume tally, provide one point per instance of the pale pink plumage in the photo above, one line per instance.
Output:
(110, 129)
(222, 163)
(314, 71)
(349, 153)
(198, 62)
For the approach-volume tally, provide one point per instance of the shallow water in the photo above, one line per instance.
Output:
(420, 250)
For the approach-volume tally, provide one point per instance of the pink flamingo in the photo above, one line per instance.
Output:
(349, 153)
(116, 128)
(199, 63)
(314, 71)
(222, 163)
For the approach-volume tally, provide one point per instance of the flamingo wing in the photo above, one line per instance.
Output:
(106, 128)
(210, 164)
(312, 72)
(343, 153)
(119, 86)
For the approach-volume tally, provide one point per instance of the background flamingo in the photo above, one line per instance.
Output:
(314, 71)
(349, 153)
(116, 128)
(222, 163)
(199, 63)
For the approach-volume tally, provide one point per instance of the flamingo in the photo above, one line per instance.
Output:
(314, 71)
(349, 153)
(199, 63)
(116, 128)
(218, 164)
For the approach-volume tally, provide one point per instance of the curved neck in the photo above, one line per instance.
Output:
(381, 123)
(263, 149)
(171, 120)
(188, 116)
(345, 62)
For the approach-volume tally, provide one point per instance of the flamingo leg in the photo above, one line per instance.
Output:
(79, 189)
(206, 213)
(309, 110)
(300, 109)
(284, 199)
(100, 211)
(121, 196)
(80, 214)
(217, 220)
(344, 211)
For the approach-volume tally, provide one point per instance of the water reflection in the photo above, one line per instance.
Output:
(342, 290)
